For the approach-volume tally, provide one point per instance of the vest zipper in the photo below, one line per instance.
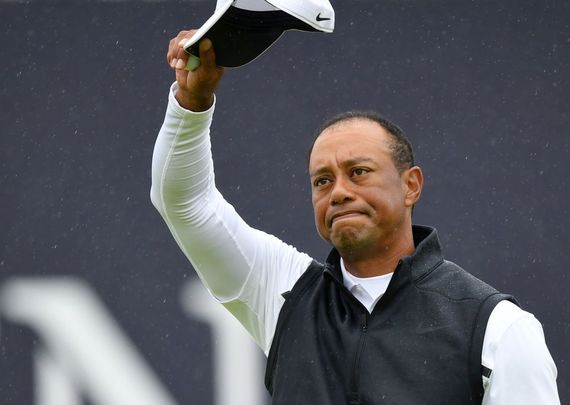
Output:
(355, 376)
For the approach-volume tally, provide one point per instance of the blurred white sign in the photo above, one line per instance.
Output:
(85, 352)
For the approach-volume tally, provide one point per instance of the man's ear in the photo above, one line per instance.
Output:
(413, 180)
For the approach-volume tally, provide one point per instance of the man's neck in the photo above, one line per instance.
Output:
(382, 260)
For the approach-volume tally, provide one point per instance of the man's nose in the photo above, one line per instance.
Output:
(341, 192)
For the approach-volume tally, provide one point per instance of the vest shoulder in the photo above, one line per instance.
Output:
(309, 277)
(455, 283)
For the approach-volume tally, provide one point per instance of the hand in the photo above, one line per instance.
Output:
(196, 88)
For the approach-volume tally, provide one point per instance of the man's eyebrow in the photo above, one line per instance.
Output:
(347, 163)
(357, 160)
(319, 171)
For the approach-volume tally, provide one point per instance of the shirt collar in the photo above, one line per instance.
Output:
(348, 281)
(425, 258)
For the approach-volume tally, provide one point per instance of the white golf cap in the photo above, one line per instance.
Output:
(241, 30)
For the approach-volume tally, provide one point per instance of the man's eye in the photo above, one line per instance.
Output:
(320, 182)
(359, 171)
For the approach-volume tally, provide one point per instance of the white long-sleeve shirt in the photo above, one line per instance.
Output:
(247, 270)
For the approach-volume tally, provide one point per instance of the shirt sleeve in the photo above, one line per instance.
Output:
(243, 268)
(514, 348)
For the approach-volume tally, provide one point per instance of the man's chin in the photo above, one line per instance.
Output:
(347, 239)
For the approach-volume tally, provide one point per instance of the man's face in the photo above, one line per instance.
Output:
(361, 201)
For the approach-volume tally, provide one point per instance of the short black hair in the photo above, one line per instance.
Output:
(402, 152)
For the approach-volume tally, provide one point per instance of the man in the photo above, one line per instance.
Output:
(386, 320)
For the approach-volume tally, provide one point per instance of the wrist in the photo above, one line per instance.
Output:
(193, 102)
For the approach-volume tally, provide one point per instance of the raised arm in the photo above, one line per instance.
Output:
(244, 268)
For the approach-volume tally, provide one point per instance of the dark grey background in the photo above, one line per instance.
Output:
(481, 88)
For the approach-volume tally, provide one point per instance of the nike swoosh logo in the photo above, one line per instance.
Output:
(319, 18)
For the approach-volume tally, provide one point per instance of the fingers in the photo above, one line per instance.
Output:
(176, 48)
(182, 55)
(195, 87)
(177, 57)
(173, 47)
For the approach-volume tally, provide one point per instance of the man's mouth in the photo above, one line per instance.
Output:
(345, 215)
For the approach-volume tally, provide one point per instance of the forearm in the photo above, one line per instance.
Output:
(184, 193)
(246, 269)
(182, 169)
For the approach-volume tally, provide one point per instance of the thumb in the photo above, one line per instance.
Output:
(207, 55)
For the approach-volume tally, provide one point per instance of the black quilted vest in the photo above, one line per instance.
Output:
(421, 344)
